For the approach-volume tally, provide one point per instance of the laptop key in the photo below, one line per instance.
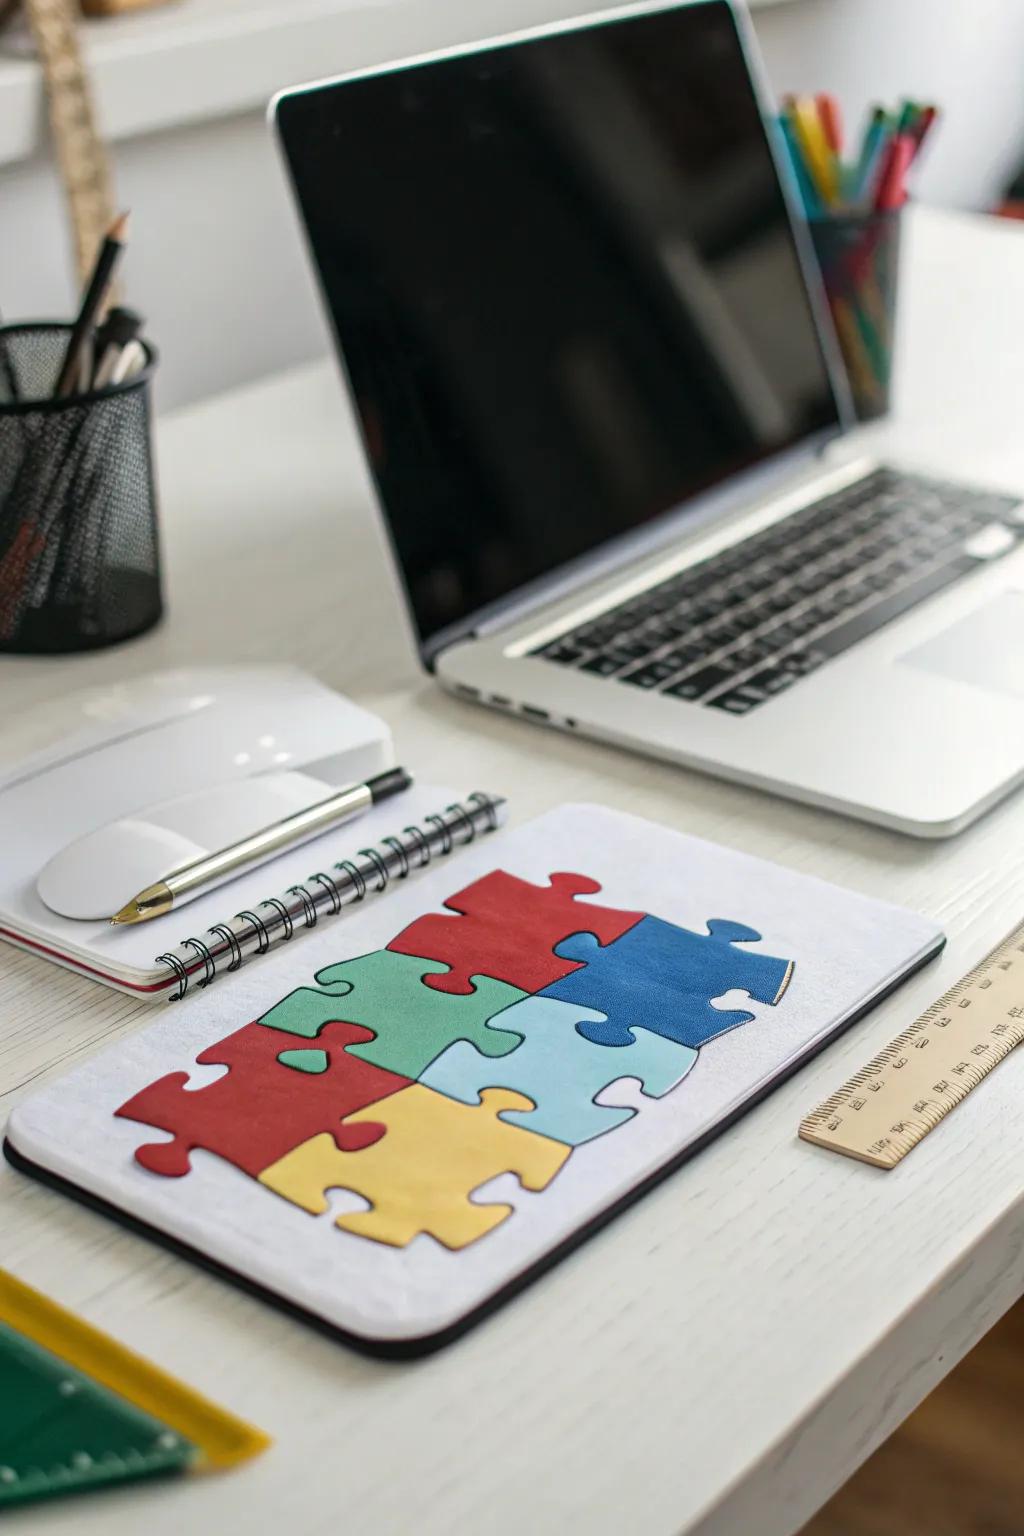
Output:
(631, 646)
(749, 655)
(739, 702)
(650, 676)
(801, 663)
(684, 656)
(701, 683)
(561, 652)
(774, 680)
(605, 665)
(722, 634)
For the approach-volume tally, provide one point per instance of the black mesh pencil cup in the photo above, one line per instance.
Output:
(859, 259)
(79, 559)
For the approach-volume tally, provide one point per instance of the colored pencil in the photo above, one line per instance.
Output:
(820, 159)
(922, 127)
(874, 178)
(831, 121)
(862, 189)
(812, 203)
(876, 138)
(892, 182)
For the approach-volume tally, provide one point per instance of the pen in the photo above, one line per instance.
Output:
(205, 874)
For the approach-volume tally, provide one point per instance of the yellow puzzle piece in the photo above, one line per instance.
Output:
(419, 1176)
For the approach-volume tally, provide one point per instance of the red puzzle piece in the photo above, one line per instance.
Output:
(260, 1109)
(508, 930)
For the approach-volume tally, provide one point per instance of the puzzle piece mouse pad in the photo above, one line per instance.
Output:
(398, 1118)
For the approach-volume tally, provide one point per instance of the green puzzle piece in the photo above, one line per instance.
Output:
(312, 1061)
(384, 992)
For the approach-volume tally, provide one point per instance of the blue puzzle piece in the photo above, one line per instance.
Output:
(662, 978)
(560, 1070)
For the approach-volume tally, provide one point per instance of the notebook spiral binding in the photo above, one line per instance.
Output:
(278, 919)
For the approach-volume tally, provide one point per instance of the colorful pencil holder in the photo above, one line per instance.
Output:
(859, 259)
(79, 556)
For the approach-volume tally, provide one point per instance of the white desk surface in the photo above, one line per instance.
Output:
(726, 1353)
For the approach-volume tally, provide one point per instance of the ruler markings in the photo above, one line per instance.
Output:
(889, 1106)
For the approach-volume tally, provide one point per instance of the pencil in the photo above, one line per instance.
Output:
(831, 122)
(821, 161)
(805, 183)
(96, 291)
(922, 127)
(854, 351)
(892, 190)
(909, 113)
(875, 137)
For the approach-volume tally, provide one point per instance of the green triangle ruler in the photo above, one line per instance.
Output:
(79, 1411)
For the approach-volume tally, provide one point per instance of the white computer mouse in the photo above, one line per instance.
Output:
(89, 878)
(179, 734)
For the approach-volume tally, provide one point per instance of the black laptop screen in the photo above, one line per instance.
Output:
(565, 287)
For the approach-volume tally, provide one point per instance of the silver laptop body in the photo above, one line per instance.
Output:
(910, 715)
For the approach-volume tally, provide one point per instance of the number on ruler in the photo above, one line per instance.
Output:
(991, 1031)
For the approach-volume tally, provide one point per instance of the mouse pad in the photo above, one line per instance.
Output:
(397, 1120)
(984, 648)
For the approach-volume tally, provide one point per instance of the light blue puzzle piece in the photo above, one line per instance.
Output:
(560, 1070)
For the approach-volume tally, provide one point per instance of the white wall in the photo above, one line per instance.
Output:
(216, 261)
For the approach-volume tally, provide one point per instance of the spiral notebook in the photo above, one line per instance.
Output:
(272, 903)
(394, 1124)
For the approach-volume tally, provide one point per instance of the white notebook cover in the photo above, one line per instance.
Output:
(832, 951)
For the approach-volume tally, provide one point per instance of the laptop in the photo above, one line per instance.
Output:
(600, 398)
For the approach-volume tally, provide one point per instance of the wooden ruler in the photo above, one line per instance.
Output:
(891, 1104)
(81, 154)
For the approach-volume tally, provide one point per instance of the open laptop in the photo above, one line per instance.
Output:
(595, 382)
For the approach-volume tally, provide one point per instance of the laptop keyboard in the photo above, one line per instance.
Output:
(745, 625)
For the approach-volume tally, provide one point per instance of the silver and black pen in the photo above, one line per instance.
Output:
(205, 874)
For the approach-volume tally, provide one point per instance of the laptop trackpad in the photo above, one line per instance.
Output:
(985, 648)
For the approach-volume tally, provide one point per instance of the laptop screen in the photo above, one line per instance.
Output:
(564, 283)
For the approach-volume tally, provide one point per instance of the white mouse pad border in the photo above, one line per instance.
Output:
(846, 950)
